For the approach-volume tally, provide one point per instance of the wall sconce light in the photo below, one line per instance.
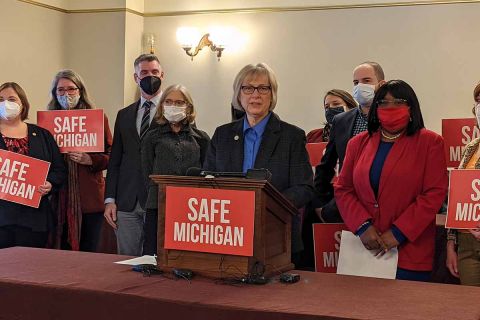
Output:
(149, 43)
(187, 39)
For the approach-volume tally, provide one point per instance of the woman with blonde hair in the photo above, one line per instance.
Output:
(79, 204)
(170, 149)
(261, 140)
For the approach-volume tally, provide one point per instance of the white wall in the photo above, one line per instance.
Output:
(96, 50)
(434, 48)
(133, 48)
(32, 40)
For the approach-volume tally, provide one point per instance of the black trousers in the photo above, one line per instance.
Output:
(150, 232)
(91, 229)
(11, 236)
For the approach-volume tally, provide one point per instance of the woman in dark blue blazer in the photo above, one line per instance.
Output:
(21, 225)
(261, 140)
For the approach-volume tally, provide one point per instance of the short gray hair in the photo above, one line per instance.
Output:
(145, 57)
(252, 70)
(188, 99)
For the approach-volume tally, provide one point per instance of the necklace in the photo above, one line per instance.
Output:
(390, 137)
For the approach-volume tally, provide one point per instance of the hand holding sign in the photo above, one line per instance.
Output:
(81, 158)
(476, 232)
(45, 188)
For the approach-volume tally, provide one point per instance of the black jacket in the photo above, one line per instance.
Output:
(41, 145)
(340, 133)
(124, 174)
(282, 151)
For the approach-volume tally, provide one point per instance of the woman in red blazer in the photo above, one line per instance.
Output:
(80, 204)
(394, 180)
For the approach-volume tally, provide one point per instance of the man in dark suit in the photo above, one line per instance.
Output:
(125, 191)
(367, 78)
(261, 140)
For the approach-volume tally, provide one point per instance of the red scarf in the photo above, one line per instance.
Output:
(69, 210)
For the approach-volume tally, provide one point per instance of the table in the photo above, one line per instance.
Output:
(54, 284)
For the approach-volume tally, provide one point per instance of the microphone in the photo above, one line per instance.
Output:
(258, 174)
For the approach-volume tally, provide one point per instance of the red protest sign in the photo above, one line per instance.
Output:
(20, 177)
(456, 134)
(315, 152)
(75, 130)
(209, 220)
(326, 243)
(463, 199)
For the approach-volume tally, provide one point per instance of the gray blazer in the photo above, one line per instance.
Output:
(167, 153)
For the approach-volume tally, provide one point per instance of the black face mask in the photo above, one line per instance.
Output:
(150, 84)
(331, 112)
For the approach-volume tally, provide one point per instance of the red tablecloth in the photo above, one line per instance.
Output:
(52, 284)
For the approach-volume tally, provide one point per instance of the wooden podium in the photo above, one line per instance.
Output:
(272, 230)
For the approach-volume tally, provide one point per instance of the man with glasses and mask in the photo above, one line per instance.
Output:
(125, 192)
(367, 78)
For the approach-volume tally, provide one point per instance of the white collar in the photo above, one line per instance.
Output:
(155, 99)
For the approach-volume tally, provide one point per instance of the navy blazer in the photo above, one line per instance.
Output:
(282, 151)
(340, 133)
(41, 145)
(124, 180)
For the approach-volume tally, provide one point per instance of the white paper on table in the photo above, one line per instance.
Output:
(139, 260)
(355, 260)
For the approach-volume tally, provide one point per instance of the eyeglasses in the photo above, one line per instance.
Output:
(69, 90)
(260, 89)
(177, 103)
(396, 102)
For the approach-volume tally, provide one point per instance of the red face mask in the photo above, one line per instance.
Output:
(394, 119)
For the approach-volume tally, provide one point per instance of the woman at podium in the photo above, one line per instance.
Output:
(170, 149)
(261, 140)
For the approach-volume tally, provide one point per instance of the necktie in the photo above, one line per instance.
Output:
(145, 118)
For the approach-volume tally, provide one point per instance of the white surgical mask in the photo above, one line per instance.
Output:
(364, 94)
(174, 114)
(67, 101)
(9, 110)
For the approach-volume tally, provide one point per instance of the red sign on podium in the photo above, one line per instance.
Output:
(20, 177)
(75, 130)
(315, 152)
(456, 134)
(326, 241)
(209, 220)
(463, 200)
